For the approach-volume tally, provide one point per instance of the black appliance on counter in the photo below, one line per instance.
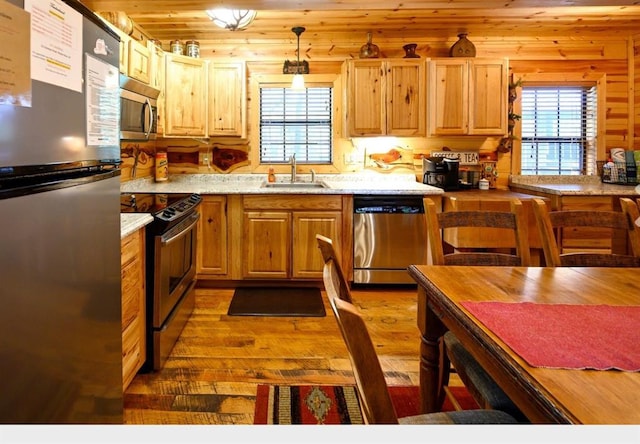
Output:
(441, 172)
(171, 243)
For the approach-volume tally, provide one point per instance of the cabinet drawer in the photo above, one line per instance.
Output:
(291, 202)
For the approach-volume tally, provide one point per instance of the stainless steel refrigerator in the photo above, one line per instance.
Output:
(60, 307)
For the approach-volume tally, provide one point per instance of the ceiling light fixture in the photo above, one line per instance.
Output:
(232, 19)
(298, 80)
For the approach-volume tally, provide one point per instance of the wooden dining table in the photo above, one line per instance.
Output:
(544, 395)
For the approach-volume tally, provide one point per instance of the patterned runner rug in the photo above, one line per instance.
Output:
(313, 404)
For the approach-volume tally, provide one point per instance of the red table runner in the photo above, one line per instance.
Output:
(600, 337)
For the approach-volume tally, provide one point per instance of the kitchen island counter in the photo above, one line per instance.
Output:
(570, 186)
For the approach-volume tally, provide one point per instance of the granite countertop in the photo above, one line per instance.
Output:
(131, 222)
(572, 186)
(354, 183)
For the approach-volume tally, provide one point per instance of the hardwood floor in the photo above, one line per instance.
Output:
(213, 372)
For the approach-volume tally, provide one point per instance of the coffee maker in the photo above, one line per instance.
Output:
(441, 172)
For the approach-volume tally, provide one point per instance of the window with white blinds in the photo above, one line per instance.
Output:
(296, 122)
(559, 130)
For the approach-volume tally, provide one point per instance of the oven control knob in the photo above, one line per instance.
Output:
(169, 212)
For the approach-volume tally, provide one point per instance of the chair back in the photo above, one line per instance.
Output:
(550, 222)
(373, 392)
(329, 254)
(513, 220)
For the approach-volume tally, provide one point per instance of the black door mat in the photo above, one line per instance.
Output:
(260, 301)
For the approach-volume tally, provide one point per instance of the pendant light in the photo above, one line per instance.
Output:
(298, 80)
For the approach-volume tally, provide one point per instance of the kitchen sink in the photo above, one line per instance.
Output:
(297, 185)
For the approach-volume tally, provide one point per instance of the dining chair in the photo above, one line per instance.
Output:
(513, 222)
(371, 386)
(551, 223)
(329, 254)
(480, 384)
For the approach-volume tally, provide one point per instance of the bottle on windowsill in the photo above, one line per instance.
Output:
(272, 176)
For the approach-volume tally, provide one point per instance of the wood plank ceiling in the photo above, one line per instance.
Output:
(343, 23)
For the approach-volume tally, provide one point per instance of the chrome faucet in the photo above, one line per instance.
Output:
(292, 161)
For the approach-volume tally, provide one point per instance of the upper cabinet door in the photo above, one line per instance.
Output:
(488, 92)
(468, 96)
(185, 96)
(406, 97)
(227, 99)
(366, 90)
(385, 97)
(139, 61)
(448, 97)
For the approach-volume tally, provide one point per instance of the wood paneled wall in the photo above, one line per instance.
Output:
(636, 92)
(615, 58)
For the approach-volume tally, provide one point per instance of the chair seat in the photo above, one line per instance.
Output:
(461, 417)
(481, 386)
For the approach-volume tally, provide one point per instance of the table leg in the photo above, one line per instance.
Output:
(431, 330)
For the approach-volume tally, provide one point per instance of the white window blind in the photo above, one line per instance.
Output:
(296, 122)
(559, 129)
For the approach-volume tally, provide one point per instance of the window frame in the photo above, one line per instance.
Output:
(284, 80)
(556, 129)
(560, 80)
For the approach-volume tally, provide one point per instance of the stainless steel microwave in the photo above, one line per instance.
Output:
(138, 110)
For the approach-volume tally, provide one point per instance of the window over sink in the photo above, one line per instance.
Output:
(302, 122)
(296, 122)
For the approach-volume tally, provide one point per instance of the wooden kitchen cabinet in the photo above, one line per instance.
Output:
(279, 234)
(156, 69)
(267, 244)
(385, 97)
(307, 260)
(124, 52)
(212, 258)
(139, 61)
(227, 96)
(133, 305)
(185, 109)
(468, 96)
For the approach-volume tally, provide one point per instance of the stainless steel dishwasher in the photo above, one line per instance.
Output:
(388, 236)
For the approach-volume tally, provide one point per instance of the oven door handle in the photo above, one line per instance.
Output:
(179, 230)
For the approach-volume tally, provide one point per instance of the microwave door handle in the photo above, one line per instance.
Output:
(146, 126)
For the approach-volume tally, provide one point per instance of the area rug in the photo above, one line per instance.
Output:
(600, 337)
(277, 301)
(320, 404)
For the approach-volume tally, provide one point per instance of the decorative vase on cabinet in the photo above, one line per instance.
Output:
(463, 47)
(410, 51)
(369, 50)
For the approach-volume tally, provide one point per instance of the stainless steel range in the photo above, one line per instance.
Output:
(171, 241)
